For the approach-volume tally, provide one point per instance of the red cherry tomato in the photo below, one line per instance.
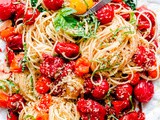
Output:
(19, 11)
(88, 86)
(116, 1)
(15, 102)
(144, 91)
(45, 102)
(120, 105)
(134, 79)
(3, 99)
(6, 9)
(82, 66)
(105, 14)
(130, 116)
(153, 73)
(67, 49)
(12, 116)
(30, 16)
(53, 4)
(124, 91)
(43, 85)
(10, 56)
(15, 42)
(101, 90)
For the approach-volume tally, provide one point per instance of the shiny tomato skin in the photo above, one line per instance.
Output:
(153, 73)
(10, 56)
(130, 116)
(135, 79)
(124, 91)
(15, 42)
(15, 102)
(43, 85)
(12, 115)
(105, 14)
(3, 99)
(99, 91)
(6, 9)
(82, 66)
(120, 105)
(144, 91)
(53, 4)
(68, 49)
(7, 32)
(81, 6)
(19, 11)
(116, 1)
(30, 16)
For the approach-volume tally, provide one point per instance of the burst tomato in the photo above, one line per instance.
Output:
(43, 85)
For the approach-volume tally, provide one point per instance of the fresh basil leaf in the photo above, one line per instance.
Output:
(130, 3)
(40, 8)
(67, 11)
(33, 3)
(132, 19)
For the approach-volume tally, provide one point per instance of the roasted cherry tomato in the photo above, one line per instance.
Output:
(15, 102)
(16, 65)
(82, 66)
(12, 115)
(119, 105)
(6, 9)
(124, 91)
(43, 85)
(67, 49)
(99, 91)
(153, 73)
(30, 16)
(116, 1)
(7, 32)
(144, 91)
(134, 79)
(42, 116)
(3, 99)
(53, 4)
(45, 102)
(130, 116)
(15, 42)
(90, 109)
(50, 66)
(105, 14)
(19, 11)
(81, 6)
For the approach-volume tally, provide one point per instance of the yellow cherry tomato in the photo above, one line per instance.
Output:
(81, 6)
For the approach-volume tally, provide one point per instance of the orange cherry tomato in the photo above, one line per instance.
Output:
(7, 32)
(152, 73)
(45, 102)
(42, 116)
(3, 99)
(81, 6)
(82, 66)
(16, 65)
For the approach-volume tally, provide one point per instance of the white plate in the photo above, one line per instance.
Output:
(151, 109)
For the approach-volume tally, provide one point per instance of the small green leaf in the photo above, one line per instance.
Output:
(67, 11)
(29, 116)
(130, 3)
(132, 19)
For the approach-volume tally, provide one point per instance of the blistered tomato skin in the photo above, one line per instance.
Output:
(99, 91)
(90, 109)
(105, 14)
(43, 85)
(130, 116)
(144, 91)
(120, 105)
(67, 49)
(53, 4)
(30, 16)
(123, 92)
(6, 9)
(50, 66)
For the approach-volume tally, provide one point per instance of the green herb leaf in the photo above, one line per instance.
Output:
(33, 3)
(65, 21)
(25, 58)
(29, 116)
(132, 18)
(130, 3)
(40, 8)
